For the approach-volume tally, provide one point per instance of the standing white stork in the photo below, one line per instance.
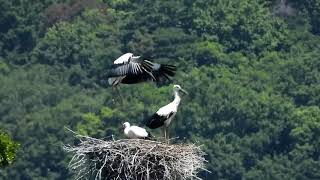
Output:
(164, 115)
(130, 69)
(135, 132)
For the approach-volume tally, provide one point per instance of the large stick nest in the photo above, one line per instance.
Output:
(134, 159)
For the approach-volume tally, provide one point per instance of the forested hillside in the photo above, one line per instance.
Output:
(251, 67)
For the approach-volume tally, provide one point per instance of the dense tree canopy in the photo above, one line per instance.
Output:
(251, 67)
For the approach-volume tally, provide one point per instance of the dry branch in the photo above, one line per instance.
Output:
(134, 159)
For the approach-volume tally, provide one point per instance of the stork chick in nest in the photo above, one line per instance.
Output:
(135, 132)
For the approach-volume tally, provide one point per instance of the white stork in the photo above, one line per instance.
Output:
(164, 115)
(135, 132)
(130, 69)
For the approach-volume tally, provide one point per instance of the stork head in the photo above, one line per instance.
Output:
(125, 58)
(177, 88)
(132, 57)
(126, 124)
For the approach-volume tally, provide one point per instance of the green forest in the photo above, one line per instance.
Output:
(251, 67)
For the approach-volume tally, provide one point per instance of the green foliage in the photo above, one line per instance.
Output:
(4, 68)
(239, 25)
(312, 9)
(307, 126)
(82, 42)
(8, 149)
(253, 81)
(90, 125)
(209, 53)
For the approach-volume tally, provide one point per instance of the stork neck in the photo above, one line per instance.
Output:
(126, 130)
(177, 97)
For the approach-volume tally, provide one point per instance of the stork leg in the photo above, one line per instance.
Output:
(167, 133)
(164, 132)
(119, 94)
(115, 88)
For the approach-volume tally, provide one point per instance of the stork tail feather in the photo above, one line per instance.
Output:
(150, 137)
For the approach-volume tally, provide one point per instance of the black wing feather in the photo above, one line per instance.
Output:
(156, 121)
(161, 71)
(154, 72)
(136, 71)
(132, 67)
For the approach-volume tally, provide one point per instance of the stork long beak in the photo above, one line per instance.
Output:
(184, 91)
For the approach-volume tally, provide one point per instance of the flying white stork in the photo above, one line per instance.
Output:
(130, 69)
(164, 115)
(135, 132)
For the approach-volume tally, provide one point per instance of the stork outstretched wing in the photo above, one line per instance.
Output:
(131, 67)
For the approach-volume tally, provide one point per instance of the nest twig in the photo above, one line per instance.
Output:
(126, 159)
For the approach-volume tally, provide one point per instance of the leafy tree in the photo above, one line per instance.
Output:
(312, 9)
(8, 150)
(239, 25)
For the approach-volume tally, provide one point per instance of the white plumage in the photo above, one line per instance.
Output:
(134, 132)
(165, 114)
(169, 111)
(125, 58)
